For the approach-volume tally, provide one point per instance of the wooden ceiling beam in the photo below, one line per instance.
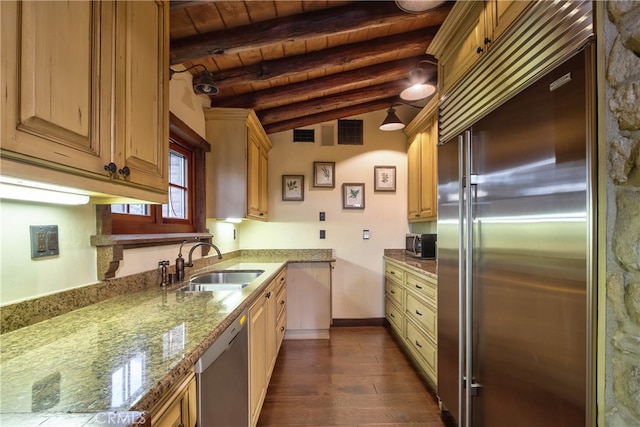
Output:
(330, 115)
(332, 102)
(402, 45)
(268, 98)
(321, 23)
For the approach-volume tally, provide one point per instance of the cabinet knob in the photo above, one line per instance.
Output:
(281, 328)
(268, 295)
(487, 40)
(418, 344)
(111, 168)
(479, 50)
(125, 171)
(282, 302)
(418, 287)
(418, 313)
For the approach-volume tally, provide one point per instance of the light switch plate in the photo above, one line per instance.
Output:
(44, 241)
(322, 234)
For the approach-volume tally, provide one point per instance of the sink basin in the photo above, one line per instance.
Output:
(223, 280)
(210, 287)
(227, 276)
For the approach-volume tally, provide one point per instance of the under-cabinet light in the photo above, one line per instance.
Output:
(233, 220)
(29, 191)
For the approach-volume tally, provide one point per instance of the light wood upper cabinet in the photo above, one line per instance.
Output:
(85, 84)
(142, 109)
(468, 33)
(422, 136)
(237, 165)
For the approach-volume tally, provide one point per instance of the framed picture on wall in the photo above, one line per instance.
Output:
(324, 174)
(384, 178)
(293, 187)
(353, 195)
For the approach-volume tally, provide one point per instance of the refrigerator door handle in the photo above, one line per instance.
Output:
(461, 278)
(468, 257)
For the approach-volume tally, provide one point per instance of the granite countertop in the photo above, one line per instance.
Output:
(121, 354)
(428, 267)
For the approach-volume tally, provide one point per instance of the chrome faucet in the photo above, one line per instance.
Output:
(181, 264)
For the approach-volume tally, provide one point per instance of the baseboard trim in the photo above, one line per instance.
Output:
(373, 321)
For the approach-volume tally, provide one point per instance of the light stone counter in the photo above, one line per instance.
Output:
(121, 354)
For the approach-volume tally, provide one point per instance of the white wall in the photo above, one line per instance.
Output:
(23, 278)
(358, 290)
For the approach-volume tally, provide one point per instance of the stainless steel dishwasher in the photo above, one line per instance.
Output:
(222, 379)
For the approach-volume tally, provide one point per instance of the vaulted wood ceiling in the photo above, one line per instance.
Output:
(301, 62)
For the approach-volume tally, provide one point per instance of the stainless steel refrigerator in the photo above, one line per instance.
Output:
(515, 238)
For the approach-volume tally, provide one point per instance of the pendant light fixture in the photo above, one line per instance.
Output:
(391, 122)
(419, 88)
(418, 6)
(203, 83)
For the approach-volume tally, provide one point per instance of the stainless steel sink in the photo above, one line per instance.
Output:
(211, 287)
(222, 280)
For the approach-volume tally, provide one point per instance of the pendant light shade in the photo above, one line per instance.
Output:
(203, 83)
(391, 122)
(417, 6)
(419, 88)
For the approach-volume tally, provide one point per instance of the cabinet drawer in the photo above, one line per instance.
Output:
(394, 291)
(394, 315)
(423, 314)
(424, 287)
(281, 329)
(281, 297)
(424, 348)
(393, 272)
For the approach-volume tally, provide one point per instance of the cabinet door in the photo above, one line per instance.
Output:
(56, 90)
(257, 359)
(501, 14)
(254, 176)
(264, 172)
(308, 300)
(142, 88)
(413, 184)
(428, 179)
(271, 308)
(468, 50)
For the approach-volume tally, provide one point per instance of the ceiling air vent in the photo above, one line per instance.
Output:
(304, 135)
(350, 132)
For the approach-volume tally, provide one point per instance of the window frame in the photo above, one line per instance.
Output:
(186, 141)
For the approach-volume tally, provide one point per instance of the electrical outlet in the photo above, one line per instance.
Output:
(44, 241)
(321, 216)
(322, 234)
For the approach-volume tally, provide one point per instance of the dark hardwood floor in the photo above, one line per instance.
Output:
(359, 377)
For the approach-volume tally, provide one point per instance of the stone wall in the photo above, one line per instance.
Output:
(622, 43)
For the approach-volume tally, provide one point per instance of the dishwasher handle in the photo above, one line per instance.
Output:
(222, 343)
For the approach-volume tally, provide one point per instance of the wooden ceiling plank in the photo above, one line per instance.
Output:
(406, 44)
(331, 21)
(332, 102)
(265, 98)
(327, 116)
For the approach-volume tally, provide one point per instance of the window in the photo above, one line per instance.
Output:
(186, 155)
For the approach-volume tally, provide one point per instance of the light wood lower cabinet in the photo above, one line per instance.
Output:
(309, 295)
(411, 309)
(265, 318)
(178, 407)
